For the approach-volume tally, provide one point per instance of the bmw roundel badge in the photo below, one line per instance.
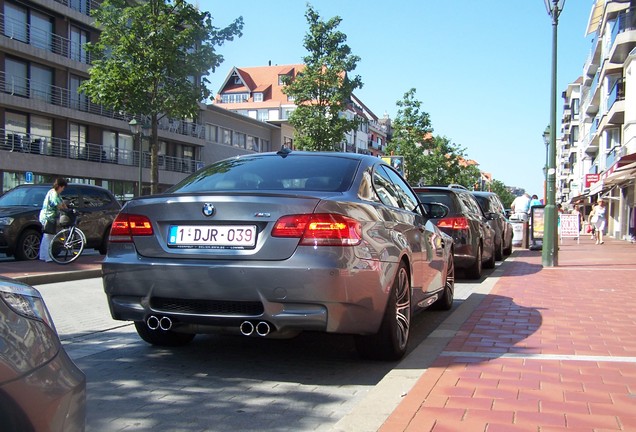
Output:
(208, 209)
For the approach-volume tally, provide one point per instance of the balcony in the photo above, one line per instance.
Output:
(593, 97)
(39, 38)
(616, 103)
(623, 38)
(11, 141)
(62, 97)
(82, 6)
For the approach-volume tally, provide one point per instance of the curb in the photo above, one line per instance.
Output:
(382, 400)
(47, 278)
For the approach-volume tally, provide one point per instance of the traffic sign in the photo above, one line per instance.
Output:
(28, 176)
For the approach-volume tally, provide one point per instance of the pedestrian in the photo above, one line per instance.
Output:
(521, 207)
(51, 207)
(579, 217)
(535, 201)
(597, 219)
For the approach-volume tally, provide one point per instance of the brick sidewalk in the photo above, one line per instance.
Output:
(549, 349)
(38, 272)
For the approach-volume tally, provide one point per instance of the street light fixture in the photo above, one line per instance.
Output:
(546, 141)
(139, 131)
(549, 255)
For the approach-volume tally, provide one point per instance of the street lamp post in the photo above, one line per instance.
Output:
(139, 131)
(549, 255)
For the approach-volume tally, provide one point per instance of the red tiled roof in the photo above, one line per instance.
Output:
(259, 79)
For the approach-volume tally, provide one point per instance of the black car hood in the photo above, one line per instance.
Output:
(17, 210)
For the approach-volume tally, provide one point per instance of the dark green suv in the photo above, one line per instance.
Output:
(21, 231)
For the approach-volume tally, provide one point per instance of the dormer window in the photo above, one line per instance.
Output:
(281, 77)
(258, 97)
(237, 80)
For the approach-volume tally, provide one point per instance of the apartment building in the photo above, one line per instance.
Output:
(257, 92)
(48, 129)
(598, 146)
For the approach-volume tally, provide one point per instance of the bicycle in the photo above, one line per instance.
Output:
(67, 245)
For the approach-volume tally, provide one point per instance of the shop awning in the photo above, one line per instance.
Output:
(595, 17)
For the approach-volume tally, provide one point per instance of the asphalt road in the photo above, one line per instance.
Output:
(219, 382)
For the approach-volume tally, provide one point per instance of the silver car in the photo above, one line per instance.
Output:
(41, 389)
(273, 244)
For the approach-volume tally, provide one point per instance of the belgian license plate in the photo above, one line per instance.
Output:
(211, 236)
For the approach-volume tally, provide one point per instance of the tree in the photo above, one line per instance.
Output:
(322, 91)
(147, 60)
(500, 189)
(411, 136)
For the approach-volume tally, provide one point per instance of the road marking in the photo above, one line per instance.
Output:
(587, 268)
(493, 355)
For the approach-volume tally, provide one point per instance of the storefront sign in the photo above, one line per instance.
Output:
(569, 225)
(590, 179)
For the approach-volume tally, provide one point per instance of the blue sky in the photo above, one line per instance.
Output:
(481, 68)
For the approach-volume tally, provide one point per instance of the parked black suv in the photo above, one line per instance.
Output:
(496, 215)
(21, 231)
(473, 237)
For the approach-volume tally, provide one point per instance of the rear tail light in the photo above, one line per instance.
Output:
(320, 229)
(454, 223)
(126, 226)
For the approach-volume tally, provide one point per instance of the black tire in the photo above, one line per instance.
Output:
(66, 247)
(391, 341)
(445, 302)
(508, 250)
(167, 338)
(103, 247)
(490, 264)
(499, 252)
(474, 272)
(28, 247)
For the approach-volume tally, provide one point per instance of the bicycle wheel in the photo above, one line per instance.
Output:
(67, 245)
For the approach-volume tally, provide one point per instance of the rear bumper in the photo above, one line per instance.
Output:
(310, 293)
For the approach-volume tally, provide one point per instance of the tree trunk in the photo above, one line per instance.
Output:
(154, 155)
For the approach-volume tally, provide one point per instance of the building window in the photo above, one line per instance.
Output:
(77, 144)
(574, 134)
(263, 115)
(78, 101)
(41, 82)
(280, 79)
(575, 108)
(234, 97)
(79, 38)
(211, 133)
(288, 142)
(252, 143)
(258, 97)
(226, 136)
(613, 139)
(238, 140)
(16, 79)
(15, 126)
(41, 130)
(15, 22)
(237, 80)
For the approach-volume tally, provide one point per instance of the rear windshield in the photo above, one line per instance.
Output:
(484, 203)
(24, 196)
(438, 197)
(274, 173)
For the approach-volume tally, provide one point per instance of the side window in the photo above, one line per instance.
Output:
(71, 196)
(408, 198)
(470, 204)
(94, 198)
(384, 188)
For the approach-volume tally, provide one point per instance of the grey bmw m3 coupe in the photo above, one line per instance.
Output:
(273, 244)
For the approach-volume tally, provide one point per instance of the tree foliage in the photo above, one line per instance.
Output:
(323, 90)
(428, 159)
(411, 136)
(500, 189)
(149, 57)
